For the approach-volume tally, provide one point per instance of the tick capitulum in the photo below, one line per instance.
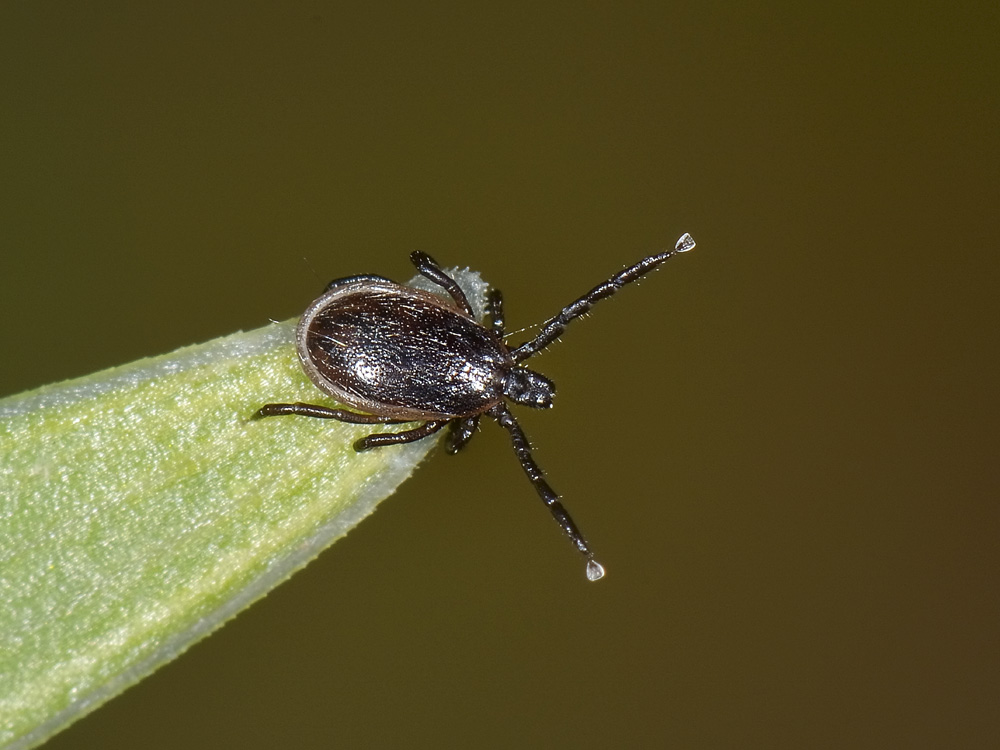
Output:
(398, 355)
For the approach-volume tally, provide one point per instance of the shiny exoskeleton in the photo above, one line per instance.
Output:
(399, 354)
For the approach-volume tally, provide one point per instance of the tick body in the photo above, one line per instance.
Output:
(394, 354)
(401, 352)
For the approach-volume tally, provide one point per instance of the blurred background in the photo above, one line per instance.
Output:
(783, 445)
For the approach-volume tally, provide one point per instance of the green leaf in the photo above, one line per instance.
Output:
(140, 508)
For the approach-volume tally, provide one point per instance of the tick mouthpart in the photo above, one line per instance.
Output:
(529, 388)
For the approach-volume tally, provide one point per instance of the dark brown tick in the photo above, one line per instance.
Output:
(398, 355)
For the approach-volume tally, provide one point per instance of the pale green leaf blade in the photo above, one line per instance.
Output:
(140, 508)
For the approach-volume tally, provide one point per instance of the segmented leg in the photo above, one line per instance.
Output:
(461, 432)
(494, 307)
(360, 277)
(548, 495)
(395, 438)
(429, 268)
(323, 412)
(553, 328)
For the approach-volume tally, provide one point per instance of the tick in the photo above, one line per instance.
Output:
(401, 355)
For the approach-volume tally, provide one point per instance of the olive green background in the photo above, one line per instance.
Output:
(783, 445)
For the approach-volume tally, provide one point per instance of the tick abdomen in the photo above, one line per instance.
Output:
(399, 350)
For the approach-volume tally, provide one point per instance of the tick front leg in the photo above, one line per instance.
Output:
(595, 570)
(323, 412)
(553, 328)
(395, 438)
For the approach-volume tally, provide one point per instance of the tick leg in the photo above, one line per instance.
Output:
(395, 438)
(553, 328)
(361, 277)
(323, 412)
(429, 268)
(494, 307)
(461, 432)
(548, 495)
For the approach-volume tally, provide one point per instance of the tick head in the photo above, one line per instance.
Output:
(528, 388)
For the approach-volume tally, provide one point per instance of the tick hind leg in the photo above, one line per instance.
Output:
(361, 277)
(380, 439)
(376, 440)
(323, 412)
(430, 268)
